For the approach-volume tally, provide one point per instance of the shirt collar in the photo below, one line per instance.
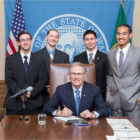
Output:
(94, 52)
(28, 55)
(125, 50)
(76, 88)
(22, 54)
(50, 51)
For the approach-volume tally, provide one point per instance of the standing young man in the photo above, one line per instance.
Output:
(93, 55)
(123, 78)
(50, 54)
(23, 69)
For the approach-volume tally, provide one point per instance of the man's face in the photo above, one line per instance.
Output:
(24, 42)
(90, 42)
(123, 36)
(52, 38)
(77, 76)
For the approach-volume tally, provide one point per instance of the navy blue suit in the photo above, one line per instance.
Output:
(91, 99)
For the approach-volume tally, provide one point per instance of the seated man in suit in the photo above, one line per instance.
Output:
(77, 97)
(92, 54)
(24, 69)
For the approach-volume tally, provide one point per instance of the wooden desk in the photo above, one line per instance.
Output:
(11, 128)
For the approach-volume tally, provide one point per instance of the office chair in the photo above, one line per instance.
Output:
(59, 75)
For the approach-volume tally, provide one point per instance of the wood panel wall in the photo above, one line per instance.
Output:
(2, 94)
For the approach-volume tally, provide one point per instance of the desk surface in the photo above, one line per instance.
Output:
(11, 128)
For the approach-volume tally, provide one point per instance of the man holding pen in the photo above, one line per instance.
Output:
(77, 97)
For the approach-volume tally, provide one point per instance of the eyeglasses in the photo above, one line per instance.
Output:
(25, 40)
(78, 74)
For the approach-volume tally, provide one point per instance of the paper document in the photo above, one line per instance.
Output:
(114, 138)
(70, 119)
(124, 128)
(118, 121)
(110, 137)
(123, 134)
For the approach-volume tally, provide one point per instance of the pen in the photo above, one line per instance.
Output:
(64, 106)
(79, 124)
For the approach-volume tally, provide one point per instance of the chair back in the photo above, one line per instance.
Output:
(59, 75)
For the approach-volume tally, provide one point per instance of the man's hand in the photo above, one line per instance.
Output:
(48, 88)
(28, 94)
(87, 115)
(25, 96)
(64, 113)
(138, 100)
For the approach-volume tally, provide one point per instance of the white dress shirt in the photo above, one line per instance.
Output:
(125, 50)
(28, 55)
(94, 53)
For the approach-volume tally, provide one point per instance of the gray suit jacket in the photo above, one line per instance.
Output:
(123, 89)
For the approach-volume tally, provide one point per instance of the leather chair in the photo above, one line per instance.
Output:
(59, 75)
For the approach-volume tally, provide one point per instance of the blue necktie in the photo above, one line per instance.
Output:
(77, 100)
(25, 63)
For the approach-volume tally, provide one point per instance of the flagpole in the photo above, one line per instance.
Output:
(121, 19)
(17, 26)
(121, 1)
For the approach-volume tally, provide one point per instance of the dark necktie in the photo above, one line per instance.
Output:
(121, 61)
(25, 63)
(90, 58)
(77, 100)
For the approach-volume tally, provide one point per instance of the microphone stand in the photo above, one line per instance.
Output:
(23, 118)
(1, 115)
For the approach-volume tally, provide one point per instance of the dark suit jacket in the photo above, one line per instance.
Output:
(90, 99)
(17, 79)
(60, 57)
(101, 68)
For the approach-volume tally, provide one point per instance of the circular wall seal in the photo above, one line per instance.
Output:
(71, 28)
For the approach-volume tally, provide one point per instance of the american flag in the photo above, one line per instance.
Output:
(17, 26)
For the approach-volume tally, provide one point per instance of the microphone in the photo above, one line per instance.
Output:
(21, 92)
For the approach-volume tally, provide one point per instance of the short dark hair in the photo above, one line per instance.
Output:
(89, 32)
(52, 30)
(23, 32)
(127, 26)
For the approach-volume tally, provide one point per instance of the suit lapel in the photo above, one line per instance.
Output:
(83, 97)
(85, 57)
(71, 98)
(56, 56)
(128, 58)
(46, 58)
(20, 64)
(30, 66)
(114, 61)
(97, 56)
(45, 53)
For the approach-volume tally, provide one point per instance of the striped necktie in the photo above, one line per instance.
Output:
(90, 58)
